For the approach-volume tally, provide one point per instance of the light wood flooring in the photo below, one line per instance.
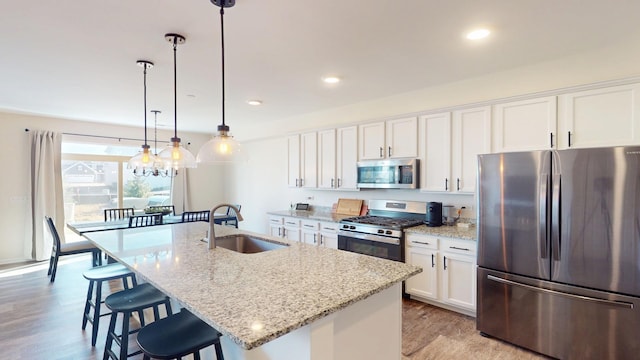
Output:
(40, 320)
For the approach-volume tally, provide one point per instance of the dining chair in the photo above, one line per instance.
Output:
(145, 220)
(118, 213)
(178, 335)
(77, 247)
(189, 216)
(232, 214)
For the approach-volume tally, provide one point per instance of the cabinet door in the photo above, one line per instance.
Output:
(327, 159)
(436, 167)
(310, 237)
(309, 157)
(402, 138)
(347, 157)
(329, 240)
(472, 136)
(293, 161)
(601, 117)
(525, 125)
(276, 230)
(371, 138)
(459, 280)
(425, 284)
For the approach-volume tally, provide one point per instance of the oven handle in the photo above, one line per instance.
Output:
(371, 237)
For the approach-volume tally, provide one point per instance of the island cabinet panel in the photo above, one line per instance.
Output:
(525, 125)
(448, 278)
(602, 117)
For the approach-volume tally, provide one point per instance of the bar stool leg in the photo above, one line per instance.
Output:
(124, 338)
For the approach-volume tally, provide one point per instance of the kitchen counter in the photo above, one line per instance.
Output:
(446, 231)
(311, 215)
(254, 298)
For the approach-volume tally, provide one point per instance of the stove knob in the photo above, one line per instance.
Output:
(388, 232)
(352, 227)
(345, 226)
(380, 231)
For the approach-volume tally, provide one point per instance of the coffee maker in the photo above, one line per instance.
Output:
(434, 214)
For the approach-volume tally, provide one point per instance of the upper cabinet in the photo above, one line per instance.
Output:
(435, 135)
(327, 159)
(525, 125)
(471, 137)
(347, 157)
(601, 117)
(397, 138)
(302, 160)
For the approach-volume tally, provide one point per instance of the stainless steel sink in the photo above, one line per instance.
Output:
(247, 244)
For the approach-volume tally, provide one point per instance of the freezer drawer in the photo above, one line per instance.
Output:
(561, 321)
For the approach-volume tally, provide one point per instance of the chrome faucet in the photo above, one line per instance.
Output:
(212, 235)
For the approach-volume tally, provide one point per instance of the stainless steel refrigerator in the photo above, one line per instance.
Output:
(559, 251)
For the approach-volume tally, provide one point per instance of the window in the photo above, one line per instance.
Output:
(95, 177)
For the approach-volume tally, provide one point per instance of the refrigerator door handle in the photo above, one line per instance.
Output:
(555, 222)
(542, 213)
(619, 304)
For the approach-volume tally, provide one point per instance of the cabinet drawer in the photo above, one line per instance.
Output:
(422, 241)
(457, 246)
(309, 225)
(291, 222)
(329, 227)
(276, 220)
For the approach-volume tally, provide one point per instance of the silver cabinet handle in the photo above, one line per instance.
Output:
(301, 182)
(279, 231)
(445, 262)
(420, 242)
(569, 136)
(338, 183)
(332, 183)
(381, 154)
(297, 182)
(458, 183)
(389, 151)
(321, 240)
(433, 262)
(446, 184)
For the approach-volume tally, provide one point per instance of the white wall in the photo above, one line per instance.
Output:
(205, 181)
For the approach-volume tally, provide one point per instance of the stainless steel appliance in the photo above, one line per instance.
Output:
(389, 174)
(380, 233)
(559, 251)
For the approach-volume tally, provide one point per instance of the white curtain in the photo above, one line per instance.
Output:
(180, 191)
(46, 190)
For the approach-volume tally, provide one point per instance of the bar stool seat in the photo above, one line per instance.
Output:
(178, 335)
(96, 277)
(126, 302)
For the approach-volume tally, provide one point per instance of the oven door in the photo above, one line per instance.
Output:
(373, 245)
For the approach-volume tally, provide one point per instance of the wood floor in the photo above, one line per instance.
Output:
(40, 320)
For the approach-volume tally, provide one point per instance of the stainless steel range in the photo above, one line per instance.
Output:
(381, 232)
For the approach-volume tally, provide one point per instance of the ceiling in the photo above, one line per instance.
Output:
(76, 59)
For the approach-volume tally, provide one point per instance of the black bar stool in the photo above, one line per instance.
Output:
(96, 277)
(178, 335)
(126, 302)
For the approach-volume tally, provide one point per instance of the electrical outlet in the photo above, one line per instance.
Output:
(309, 197)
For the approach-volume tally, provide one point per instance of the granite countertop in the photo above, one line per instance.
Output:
(311, 215)
(251, 298)
(446, 231)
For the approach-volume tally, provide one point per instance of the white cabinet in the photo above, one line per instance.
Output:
(293, 160)
(423, 251)
(329, 234)
(397, 138)
(525, 125)
(309, 160)
(310, 231)
(284, 227)
(371, 139)
(402, 138)
(448, 276)
(347, 157)
(337, 158)
(471, 137)
(302, 161)
(459, 273)
(601, 117)
(435, 132)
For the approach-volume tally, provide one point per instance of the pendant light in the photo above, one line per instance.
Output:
(223, 147)
(142, 163)
(158, 165)
(174, 155)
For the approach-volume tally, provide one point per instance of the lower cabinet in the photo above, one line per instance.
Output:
(285, 227)
(448, 278)
(322, 233)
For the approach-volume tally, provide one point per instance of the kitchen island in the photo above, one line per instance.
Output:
(297, 302)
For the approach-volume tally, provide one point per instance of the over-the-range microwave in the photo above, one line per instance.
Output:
(389, 174)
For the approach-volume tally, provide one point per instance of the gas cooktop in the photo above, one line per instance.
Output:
(383, 221)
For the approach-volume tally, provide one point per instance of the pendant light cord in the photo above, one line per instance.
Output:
(175, 87)
(222, 42)
(145, 103)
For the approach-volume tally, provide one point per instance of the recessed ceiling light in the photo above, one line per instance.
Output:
(254, 102)
(478, 34)
(331, 79)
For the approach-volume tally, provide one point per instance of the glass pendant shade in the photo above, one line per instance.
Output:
(143, 161)
(175, 156)
(222, 148)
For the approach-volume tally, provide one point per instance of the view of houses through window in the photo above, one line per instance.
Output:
(95, 177)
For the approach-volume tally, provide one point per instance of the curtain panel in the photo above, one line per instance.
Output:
(46, 191)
